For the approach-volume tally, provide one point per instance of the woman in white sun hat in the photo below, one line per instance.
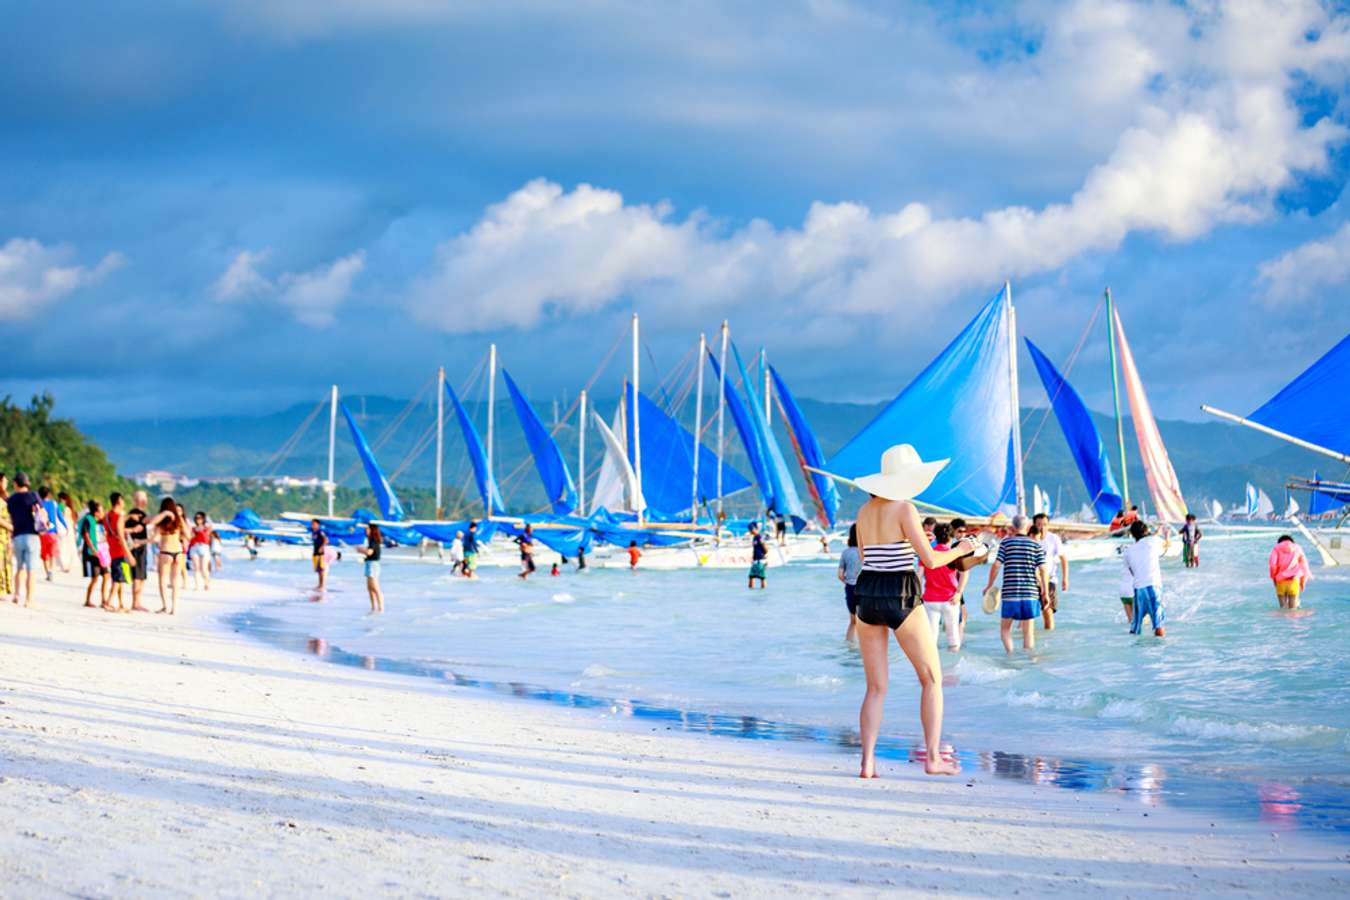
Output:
(892, 541)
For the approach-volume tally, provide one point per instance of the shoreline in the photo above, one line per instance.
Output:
(156, 756)
(1237, 800)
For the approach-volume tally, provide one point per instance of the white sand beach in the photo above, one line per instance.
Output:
(148, 756)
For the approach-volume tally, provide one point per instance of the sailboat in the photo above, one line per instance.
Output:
(810, 457)
(1086, 445)
(1312, 412)
(1258, 505)
(978, 428)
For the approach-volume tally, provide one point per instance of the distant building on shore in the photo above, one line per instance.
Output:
(165, 482)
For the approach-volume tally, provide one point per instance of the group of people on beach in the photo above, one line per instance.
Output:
(897, 563)
(1028, 575)
(113, 546)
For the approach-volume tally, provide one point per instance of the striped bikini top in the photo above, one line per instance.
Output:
(894, 557)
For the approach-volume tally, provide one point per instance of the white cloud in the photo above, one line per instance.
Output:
(242, 278)
(33, 275)
(1309, 268)
(313, 296)
(1217, 139)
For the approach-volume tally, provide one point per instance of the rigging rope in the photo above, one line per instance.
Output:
(1068, 367)
(288, 446)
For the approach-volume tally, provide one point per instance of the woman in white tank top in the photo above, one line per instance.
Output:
(893, 544)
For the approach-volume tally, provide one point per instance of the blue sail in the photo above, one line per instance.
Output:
(1315, 406)
(809, 448)
(548, 459)
(487, 487)
(390, 508)
(1085, 442)
(749, 436)
(786, 502)
(958, 408)
(446, 532)
(668, 462)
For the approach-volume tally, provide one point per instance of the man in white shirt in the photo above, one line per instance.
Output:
(1142, 561)
(1056, 567)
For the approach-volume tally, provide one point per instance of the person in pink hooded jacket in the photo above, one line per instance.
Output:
(1289, 571)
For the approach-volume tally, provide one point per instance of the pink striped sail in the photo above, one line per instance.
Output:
(1162, 478)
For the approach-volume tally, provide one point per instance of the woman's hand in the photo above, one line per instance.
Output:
(978, 547)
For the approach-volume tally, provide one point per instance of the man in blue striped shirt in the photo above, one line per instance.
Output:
(1021, 559)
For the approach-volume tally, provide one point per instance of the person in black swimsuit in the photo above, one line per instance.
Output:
(892, 541)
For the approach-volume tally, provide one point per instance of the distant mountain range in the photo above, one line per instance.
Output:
(1212, 459)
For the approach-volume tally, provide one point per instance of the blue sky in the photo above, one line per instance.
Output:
(210, 207)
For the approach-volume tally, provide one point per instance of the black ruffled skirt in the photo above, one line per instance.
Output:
(887, 598)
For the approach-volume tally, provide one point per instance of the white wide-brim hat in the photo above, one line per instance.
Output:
(903, 476)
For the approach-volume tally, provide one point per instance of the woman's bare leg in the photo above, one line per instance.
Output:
(164, 570)
(874, 642)
(851, 634)
(916, 640)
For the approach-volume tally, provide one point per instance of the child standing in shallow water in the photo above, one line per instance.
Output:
(1190, 542)
(942, 589)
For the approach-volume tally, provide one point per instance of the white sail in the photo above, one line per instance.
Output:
(609, 487)
(629, 477)
(1253, 502)
(1292, 509)
(1215, 509)
(1264, 508)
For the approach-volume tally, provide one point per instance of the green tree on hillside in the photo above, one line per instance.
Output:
(53, 451)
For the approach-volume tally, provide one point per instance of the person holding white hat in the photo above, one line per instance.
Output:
(892, 542)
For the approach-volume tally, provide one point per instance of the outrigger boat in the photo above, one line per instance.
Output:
(1313, 412)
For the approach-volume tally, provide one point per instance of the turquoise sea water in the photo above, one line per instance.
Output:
(1241, 708)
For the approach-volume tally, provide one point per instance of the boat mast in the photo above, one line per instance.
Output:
(332, 446)
(721, 420)
(1115, 396)
(1016, 403)
(492, 402)
(698, 426)
(1298, 442)
(440, 433)
(637, 434)
(768, 388)
(581, 455)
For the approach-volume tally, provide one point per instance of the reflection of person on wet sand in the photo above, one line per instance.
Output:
(892, 544)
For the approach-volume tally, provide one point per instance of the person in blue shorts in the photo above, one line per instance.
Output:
(1021, 561)
(1142, 562)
